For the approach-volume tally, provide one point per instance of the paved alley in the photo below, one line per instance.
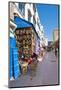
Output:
(46, 73)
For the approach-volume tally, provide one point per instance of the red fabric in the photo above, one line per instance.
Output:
(29, 61)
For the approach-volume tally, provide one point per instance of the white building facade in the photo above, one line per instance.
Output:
(28, 11)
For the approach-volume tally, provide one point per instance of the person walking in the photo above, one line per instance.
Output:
(55, 52)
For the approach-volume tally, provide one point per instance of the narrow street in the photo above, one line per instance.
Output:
(46, 74)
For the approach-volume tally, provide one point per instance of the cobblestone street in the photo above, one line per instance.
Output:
(46, 73)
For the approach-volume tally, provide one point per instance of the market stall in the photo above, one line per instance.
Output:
(25, 35)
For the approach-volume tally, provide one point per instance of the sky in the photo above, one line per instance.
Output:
(48, 15)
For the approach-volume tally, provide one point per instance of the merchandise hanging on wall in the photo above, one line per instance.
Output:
(33, 44)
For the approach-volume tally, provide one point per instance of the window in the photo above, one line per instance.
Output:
(42, 32)
(22, 8)
(42, 39)
(29, 15)
(34, 21)
(29, 18)
(34, 7)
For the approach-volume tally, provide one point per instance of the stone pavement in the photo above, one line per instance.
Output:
(46, 73)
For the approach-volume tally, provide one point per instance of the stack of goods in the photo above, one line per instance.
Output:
(24, 68)
(19, 42)
(28, 44)
(14, 66)
(24, 42)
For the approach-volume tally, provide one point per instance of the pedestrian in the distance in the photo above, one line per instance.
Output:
(55, 52)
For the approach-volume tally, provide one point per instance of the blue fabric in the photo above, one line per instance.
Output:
(16, 64)
(12, 42)
(13, 63)
(21, 23)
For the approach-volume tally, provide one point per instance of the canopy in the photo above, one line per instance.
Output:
(21, 23)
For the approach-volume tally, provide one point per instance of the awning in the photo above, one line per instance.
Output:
(21, 23)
